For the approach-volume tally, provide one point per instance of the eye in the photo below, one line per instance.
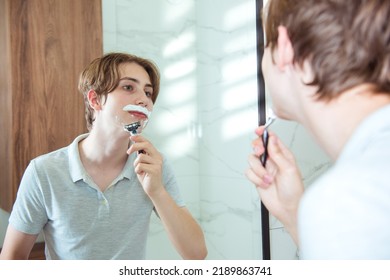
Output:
(149, 94)
(128, 87)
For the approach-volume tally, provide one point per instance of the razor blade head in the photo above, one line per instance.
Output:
(132, 127)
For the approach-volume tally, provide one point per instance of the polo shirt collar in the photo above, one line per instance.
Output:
(77, 170)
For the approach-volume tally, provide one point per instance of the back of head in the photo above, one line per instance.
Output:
(347, 42)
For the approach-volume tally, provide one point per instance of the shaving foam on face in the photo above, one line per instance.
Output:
(136, 108)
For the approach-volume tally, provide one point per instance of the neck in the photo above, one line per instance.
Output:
(104, 149)
(333, 122)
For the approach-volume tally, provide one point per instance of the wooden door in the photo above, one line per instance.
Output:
(44, 45)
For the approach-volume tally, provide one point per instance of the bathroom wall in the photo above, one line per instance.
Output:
(206, 114)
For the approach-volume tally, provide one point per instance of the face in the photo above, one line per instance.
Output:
(134, 88)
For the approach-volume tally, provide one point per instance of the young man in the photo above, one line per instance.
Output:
(327, 67)
(93, 199)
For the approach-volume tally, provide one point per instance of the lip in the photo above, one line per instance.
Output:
(138, 111)
(138, 114)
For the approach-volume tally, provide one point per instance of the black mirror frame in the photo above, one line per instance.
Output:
(261, 105)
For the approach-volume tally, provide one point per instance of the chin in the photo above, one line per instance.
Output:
(283, 114)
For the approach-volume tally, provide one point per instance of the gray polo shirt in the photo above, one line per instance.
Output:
(79, 221)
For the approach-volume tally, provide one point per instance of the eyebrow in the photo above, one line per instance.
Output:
(135, 80)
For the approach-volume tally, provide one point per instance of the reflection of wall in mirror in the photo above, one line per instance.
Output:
(206, 51)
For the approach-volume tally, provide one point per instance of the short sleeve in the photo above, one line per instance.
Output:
(29, 214)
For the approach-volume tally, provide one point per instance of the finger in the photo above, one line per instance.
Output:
(256, 180)
(260, 130)
(259, 170)
(144, 147)
(148, 159)
(137, 138)
(258, 147)
(142, 144)
(139, 168)
(137, 147)
(284, 150)
(142, 158)
(150, 169)
(279, 153)
(258, 143)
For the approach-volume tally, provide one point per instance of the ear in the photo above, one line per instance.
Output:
(285, 51)
(93, 100)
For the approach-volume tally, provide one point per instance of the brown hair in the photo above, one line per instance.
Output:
(102, 75)
(347, 42)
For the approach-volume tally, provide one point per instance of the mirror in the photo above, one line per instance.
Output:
(206, 113)
(204, 118)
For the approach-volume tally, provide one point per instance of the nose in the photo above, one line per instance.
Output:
(142, 99)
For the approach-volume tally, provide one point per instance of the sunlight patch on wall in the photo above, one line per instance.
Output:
(179, 145)
(234, 17)
(182, 43)
(241, 95)
(180, 69)
(172, 121)
(180, 9)
(240, 42)
(177, 119)
(194, 131)
(238, 124)
(180, 92)
(239, 69)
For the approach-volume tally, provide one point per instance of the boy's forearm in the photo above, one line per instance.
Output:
(183, 231)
